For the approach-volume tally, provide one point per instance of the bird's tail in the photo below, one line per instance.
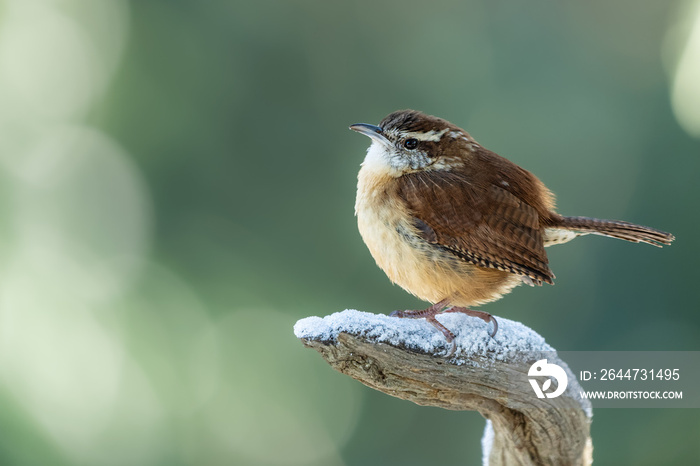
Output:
(615, 229)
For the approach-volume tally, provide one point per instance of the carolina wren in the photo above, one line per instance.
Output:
(458, 225)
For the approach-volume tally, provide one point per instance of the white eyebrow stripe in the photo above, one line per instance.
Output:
(431, 135)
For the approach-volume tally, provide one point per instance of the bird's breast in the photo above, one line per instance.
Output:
(422, 268)
(425, 270)
(382, 219)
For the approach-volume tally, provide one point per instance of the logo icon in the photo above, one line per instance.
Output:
(552, 371)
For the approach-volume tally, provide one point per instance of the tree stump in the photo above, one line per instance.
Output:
(406, 358)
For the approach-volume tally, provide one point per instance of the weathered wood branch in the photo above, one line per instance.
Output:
(406, 359)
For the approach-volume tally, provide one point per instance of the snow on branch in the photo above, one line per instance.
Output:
(405, 358)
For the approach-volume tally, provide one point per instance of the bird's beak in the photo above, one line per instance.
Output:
(374, 132)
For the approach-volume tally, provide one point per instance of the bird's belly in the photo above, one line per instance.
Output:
(424, 269)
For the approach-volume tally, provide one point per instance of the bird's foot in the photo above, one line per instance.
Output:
(432, 311)
(485, 316)
(438, 308)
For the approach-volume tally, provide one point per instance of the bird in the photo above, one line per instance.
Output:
(456, 224)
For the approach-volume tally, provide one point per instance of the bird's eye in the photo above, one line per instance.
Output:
(411, 143)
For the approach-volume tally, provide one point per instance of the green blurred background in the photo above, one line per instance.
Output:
(177, 183)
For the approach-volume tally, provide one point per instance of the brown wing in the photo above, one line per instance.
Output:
(477, 221)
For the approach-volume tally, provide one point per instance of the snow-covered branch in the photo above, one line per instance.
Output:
(405, 358)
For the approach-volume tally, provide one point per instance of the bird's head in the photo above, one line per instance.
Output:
(408, 141)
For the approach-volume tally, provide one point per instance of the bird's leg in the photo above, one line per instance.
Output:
(429, 315)
(485, 316)
(429, 312)
(438, 308)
